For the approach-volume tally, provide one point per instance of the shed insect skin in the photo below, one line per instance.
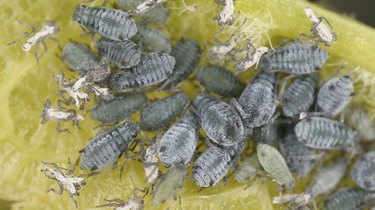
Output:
(161, 112)
(219, 51)
(102, 93)
(219, 120)
(296, 58)
(335, 95)
(363, 172)
(147, 6)
(158, 14)
(226, 16)
(358, 118)
(123, 54)
(248, 169)
(79, 57)
(348, 199)
(219, 80)
(135, 203)
(113, 24)
(294, 199)
(153, 39)
(251, 59)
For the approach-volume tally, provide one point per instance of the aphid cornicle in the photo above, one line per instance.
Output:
(363, 171)
(219, 80)
(153, 39)
(248, 169)
(161, 112)
(119, 108)
(335, 95)
(158, 14)
(219, 120)
(348, 199)
(296, 58)
(324, 133)
(79, 57)
(178, 144)
(113, 24)
(106, 148)
(153, 68)
(359, 118)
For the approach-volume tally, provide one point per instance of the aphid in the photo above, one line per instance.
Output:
(252, 58)
(187, 54)
(320, 30)
(106, 148)
(348, 199)
(226, 16)
(151, 165)
(147, 6)
(274, 164)
(266, 134)
(324, 133)
(299, 96)
(153, 39)
(113, 24)
(219, 120)
(219, 80)
(59, 114)
(295, 58)
(359, 118)
(222, 49)
(153, 68)
(363, 172)
(135, 203)
(294, 199)
(328, 177)
(123, 54)
(161, 112)
(119, 108)
(168, 184)
(158, 14)
(79, 57)
(178, 144)
(248, 169)
(335, 95)
(258, 101)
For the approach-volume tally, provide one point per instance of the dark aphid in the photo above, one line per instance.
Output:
(187, 54)
(168, 184)
(363, 172)
(335, 95)
(360, 119)
(153, 68)
(219, 80)
(258, 101)
(296, 58)
(119, 108)
(266, 134)
(299, 96)
(158, 14)
(274, 164)
(79, 57)
(248, 169)
(153, 39)
(123, 54)
(348, 199)
(219, 120)
(161, 112)
(113, 24)
(178, 144)
(106, 148)
(324, 133)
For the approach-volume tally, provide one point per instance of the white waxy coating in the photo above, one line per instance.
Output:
(70, 184)
(151, 166)
(226, 17)
(320, 28)
(48, 29)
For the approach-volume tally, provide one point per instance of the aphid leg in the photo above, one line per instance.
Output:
(72, 166)
(19, 37)
(57, 42)
(33, 30)
(58, 128)
(61, 189)
(54, 165)
(74, 200)
(37, 57)
(103, 171)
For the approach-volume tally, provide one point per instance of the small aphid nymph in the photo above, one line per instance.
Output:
(79, 57)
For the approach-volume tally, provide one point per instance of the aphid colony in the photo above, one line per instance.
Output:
(292, 129)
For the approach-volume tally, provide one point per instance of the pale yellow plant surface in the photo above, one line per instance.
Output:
(24, 87)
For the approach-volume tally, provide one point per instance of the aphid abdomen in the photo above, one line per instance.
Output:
(158, 14)
(219, 80)
(110, 23)
(363, 172)
(347, 199)
(360, 119)
(248, 169)
(105, 148)
(79, 57)
(153, 40)
(123, 54)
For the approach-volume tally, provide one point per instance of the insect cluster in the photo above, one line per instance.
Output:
(294, 124)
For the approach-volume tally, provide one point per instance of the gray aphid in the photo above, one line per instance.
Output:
(324, 133)
(296, 58)
(123, 54)
(106, 148)
(348, 199)
(219, 120)
(363, 172)
(79, 57)
(153, 68)
(299, 96)
(153, 39)
(266, 134)
(119, 108)
(335, 95)
(274, 164)
(161, 112)
(219, 80)
(359, 118)
(178, 144)
(248, 169)
(158, 14)
(113, 24)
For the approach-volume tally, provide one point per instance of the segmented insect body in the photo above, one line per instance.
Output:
(274, 164)
(113, 24)
(169, 183)
(335, 95)
(161, 112)
(327, 178)
(153, 39)
(266, 134)
(296, 58)
(359, 119)
(105, 148)
(79, 57)
(119, 108)
(123, 54)
(319, 28)
(248, 169)
(219, 80)
(299, 96)
(153, 68)
(347, 199)
(219, 120)
(258, 101)
(158, 14)
(324, 133)
(178, 144)
(151, 165)
(363, 172)
(187, 54)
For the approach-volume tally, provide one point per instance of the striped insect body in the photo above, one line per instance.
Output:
(123, 54)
